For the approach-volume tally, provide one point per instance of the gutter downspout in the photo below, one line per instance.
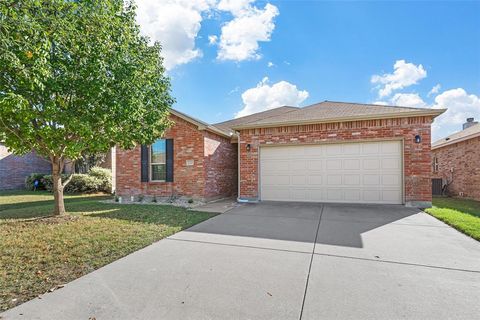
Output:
(238, 168)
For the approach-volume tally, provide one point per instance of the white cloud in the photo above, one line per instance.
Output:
(264, 97)
(434, 90)
(240, 37)
(175, 24)
(270, 64)
(212, 39)
(461, 106)
(405, 74)
(412, 100)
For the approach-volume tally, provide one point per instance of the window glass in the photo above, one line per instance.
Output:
(158, 172)
(157, 161)
(158, 151)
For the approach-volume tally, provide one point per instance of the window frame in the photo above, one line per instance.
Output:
(435, 164)
(151, 164)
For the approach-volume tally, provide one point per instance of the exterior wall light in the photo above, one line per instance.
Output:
(248, 147)
(418, 139)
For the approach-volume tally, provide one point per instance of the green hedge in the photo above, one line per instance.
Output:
(96, 180)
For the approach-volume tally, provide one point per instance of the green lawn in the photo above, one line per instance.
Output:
(38, 252)
(463, 215)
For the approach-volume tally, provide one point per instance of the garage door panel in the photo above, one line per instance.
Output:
(391, 147)
(298, 193)
(391, 195)
(334, 179)
(345, 172)
(370, 148)
(333, 149)
(277, 193)
(352, 195)
(314, 150)
(275, 166)
(371, 164)
(390, 163)
(315, 165)
(351, 149)
(371, 179)
(390, 180)
(334, 164)
(334, 195)
(299, 180)
(351, 164)
(351, 179)
(372, 195)
(314, 180)
(276, 180)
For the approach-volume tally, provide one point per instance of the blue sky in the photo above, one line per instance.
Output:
(233, 57)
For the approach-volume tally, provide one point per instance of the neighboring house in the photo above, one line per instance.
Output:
(14, 169)
(456, 160)
(326, 152)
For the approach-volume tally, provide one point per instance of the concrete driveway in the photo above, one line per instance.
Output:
(285, 261)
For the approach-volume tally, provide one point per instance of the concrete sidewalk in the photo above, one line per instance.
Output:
(284, 261)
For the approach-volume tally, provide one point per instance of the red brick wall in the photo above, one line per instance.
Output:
(14, 169)
(220, 166)
(464, 158)
(195, 180)
(416, 156)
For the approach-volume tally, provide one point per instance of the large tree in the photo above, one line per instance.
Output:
(77, 77)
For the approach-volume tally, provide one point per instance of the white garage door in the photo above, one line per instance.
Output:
(363, 172)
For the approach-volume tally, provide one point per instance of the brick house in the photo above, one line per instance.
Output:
(330, 151)
(193, 159)
(14, 169)
(456, 160)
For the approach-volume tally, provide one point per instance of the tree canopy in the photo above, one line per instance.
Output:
(77, 76)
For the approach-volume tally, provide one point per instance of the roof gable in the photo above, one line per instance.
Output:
(466, 134)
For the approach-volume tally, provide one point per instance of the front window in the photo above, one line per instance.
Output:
(157, 161)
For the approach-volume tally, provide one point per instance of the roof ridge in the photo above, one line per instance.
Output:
(275, 115)
(373, 104)
(256, 113)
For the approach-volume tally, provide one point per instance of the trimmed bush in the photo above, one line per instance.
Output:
(30, 180)
(97, 180)
(104, 176)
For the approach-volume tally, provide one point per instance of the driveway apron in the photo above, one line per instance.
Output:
(284, 261)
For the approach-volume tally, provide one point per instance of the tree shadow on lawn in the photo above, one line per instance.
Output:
(43, 208)
(152, 214)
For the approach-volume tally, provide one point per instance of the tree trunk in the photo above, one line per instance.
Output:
(57, 167)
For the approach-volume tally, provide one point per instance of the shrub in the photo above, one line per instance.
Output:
(97, 180)
(104, 177)
(83, 183)
(29, 181)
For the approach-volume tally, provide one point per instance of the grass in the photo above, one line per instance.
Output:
(39, 252)
(463, 215)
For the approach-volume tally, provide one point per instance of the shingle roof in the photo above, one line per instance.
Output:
(201, 124)
(469, 133)
(228, 125)
(328, 111)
